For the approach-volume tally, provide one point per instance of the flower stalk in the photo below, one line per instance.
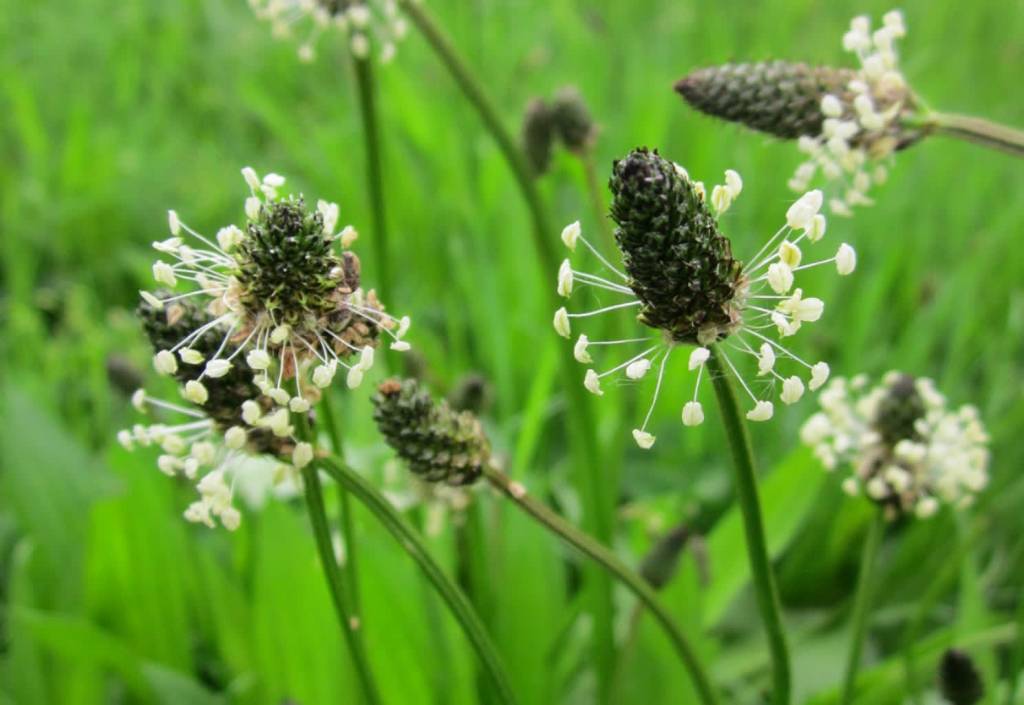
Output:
(753, 525)
(977, 131)
(607, 560)
(597, 503)
(862, 604)
(413, 544)
(341, 597)
(351, 568)
(374, 168)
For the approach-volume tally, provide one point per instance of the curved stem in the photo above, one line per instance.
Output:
(411, 542)
(351, 568)
(862, 605)
(753, 525)
(374, 171)
(596, 551)
(597, 500)
(349, 622)
(977, 130)
(474, 92)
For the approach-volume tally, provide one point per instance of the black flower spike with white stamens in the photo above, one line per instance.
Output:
(283, 299)
(848, 122)
(679, 274)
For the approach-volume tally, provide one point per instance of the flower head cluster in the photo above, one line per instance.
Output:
(907, 451)
(848, 122)
(210, 442)
(438, 443)
(368, 24)
(861, 125)
(276, 311)
(680, 276)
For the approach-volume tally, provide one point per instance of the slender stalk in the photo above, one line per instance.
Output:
(350, 624)
(972, 129)
(374, 171)
(862, 605)
(351, 568)
(598, 505)
(411, 542)
(753, 524)
(607, 560)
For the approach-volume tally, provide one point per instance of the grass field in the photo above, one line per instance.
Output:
(114, 112)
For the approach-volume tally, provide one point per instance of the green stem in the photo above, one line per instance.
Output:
(374, 171)
(976, 130)
(351, 568)
(347, 619)
(411, 542)
(753, 524)
(862, 605)
(607, 560)
(598, 506)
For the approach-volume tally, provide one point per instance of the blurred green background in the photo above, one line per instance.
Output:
(113, 112)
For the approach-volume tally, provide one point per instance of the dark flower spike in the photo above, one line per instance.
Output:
(681, 277)
(848, 122)
(907, 451)
(282, 296)
(538, 136)
(572, 120)
(439, 444)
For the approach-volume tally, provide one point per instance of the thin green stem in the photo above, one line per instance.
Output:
(351, 626)
(374, 171)
(351, 568)
(608, 560)
(976, 130)
(862, 604)
(753, 525)
(411, 542)
(598, 505)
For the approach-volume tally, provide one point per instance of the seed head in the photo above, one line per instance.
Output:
(439, 444)
(538, 136)
(572, 120)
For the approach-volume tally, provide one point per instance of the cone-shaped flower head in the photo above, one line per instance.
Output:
(679, 273)
(906, 450)
(368, 25)
(226, 422)
(439, 444)
(847, 121)
(959, 680)
(283, 300)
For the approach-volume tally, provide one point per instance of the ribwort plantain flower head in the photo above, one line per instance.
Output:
(368, 25)
(848, 122)
(906, 450)
(227, 419)
(680, 276)
(438, 443)
(565, 119)
(284, 295)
